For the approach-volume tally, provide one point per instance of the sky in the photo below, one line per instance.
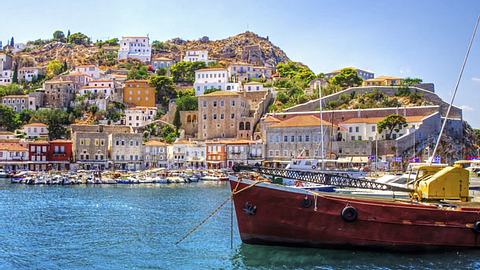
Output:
(406, 38)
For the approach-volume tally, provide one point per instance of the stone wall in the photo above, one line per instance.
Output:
(313, 105)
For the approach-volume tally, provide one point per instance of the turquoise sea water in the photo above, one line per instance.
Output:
(136, 226)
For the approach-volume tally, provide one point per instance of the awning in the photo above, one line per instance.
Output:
(359, 159)
(344, 160)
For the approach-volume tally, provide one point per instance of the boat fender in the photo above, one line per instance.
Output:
(249, 209)
(314, 167)
(306, 202)
(349, 214)
(476, 227)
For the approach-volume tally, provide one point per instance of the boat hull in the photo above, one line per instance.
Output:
(275, 215)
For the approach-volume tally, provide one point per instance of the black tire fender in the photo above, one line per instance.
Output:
(349, 214)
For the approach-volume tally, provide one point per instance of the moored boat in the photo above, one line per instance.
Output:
(439, 215)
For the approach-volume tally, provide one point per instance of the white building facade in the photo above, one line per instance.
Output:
(196, 56)
(213, 78)
(140, 116)
(91, 70)
(135, 48)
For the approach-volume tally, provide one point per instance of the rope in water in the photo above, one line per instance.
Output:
(234, 192)
(203, 221)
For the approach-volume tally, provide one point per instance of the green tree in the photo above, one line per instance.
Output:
(168, 133)
(79, 39)
(8, 118)
(115, 111)
(210, 90)
(138, 72)
(159, 46)
(185, 71)
(15, 74)
(187, 103)
(56, 120)
(176, 119)
(25, 115)
(411, 81)
(347, 77)
(161, 71)
(297, 72)
(11, 89)
(54, 68)
(59, 36)
(164, 88)
(391, 123)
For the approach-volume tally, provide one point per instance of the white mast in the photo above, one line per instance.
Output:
(322, 157)
(430, 159)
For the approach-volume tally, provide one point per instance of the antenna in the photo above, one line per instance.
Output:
(430, 159)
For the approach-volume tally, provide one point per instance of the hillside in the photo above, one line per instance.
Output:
(245, 47)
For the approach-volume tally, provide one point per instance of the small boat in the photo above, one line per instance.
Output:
(3, 174)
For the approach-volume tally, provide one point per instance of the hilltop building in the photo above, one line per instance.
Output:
(196, 56)
(364, 74)
(213, 78)
(135, 48)
(138, 93)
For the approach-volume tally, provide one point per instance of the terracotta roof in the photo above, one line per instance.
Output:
(301, 121)
(270, 119)
(211, 69)
(239, 141)
(162, 59)
(101, 80)
(156, 143)
(76, 73)
(12, 147)
(140, 108)
(38, 142)
(35, 125)
(382, 78)
(16, 96)
(61, 141)
(374, 120)
(220, 93)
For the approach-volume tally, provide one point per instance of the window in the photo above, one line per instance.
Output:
(214, 116)
(353, 138)
(292, 138)
(232, 116)
(214, 103)
(357, 129)
(373, 128)
(300, 138)
(359, 138)
(204, 117)
(350, 129)
(233, 103)
(307, 138)
(97, 142)
(285, 138)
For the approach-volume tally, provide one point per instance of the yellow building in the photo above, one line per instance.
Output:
(383, 81)
(139, 93)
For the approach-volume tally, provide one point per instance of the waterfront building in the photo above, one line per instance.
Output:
(35, 130)
(13, 156)
(296, 137)
(140, 116)
(91, 70)
(243, 152)
(138, 93)
(135, 48)
(60, 154)
(383, 81)
(213, 78)
(29, 74)
(155, 154)
(223, 114)
(38, 153)
(21, 102)
(364, 74)
(162, 62)
(196, 56)
(126, 151)
(58, 94)
(90, 150)
(216, 154)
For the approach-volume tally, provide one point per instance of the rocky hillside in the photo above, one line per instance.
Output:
(245, 47)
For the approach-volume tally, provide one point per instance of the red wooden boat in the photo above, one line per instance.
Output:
(278, 215)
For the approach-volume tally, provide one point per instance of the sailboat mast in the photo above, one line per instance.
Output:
(431, 158)
(321, 128)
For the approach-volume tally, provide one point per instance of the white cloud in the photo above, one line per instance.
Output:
(476, 79)
(467, 108)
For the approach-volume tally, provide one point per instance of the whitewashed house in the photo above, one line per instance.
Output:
(35, 130)
(135, 48)
(155, 154)
(6, 77)
(140, 116)
(91, 70)
(162, 62)
(29, 74)
(196, 56)
(213, 78)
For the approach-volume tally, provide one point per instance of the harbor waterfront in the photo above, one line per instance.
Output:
(136, 227)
